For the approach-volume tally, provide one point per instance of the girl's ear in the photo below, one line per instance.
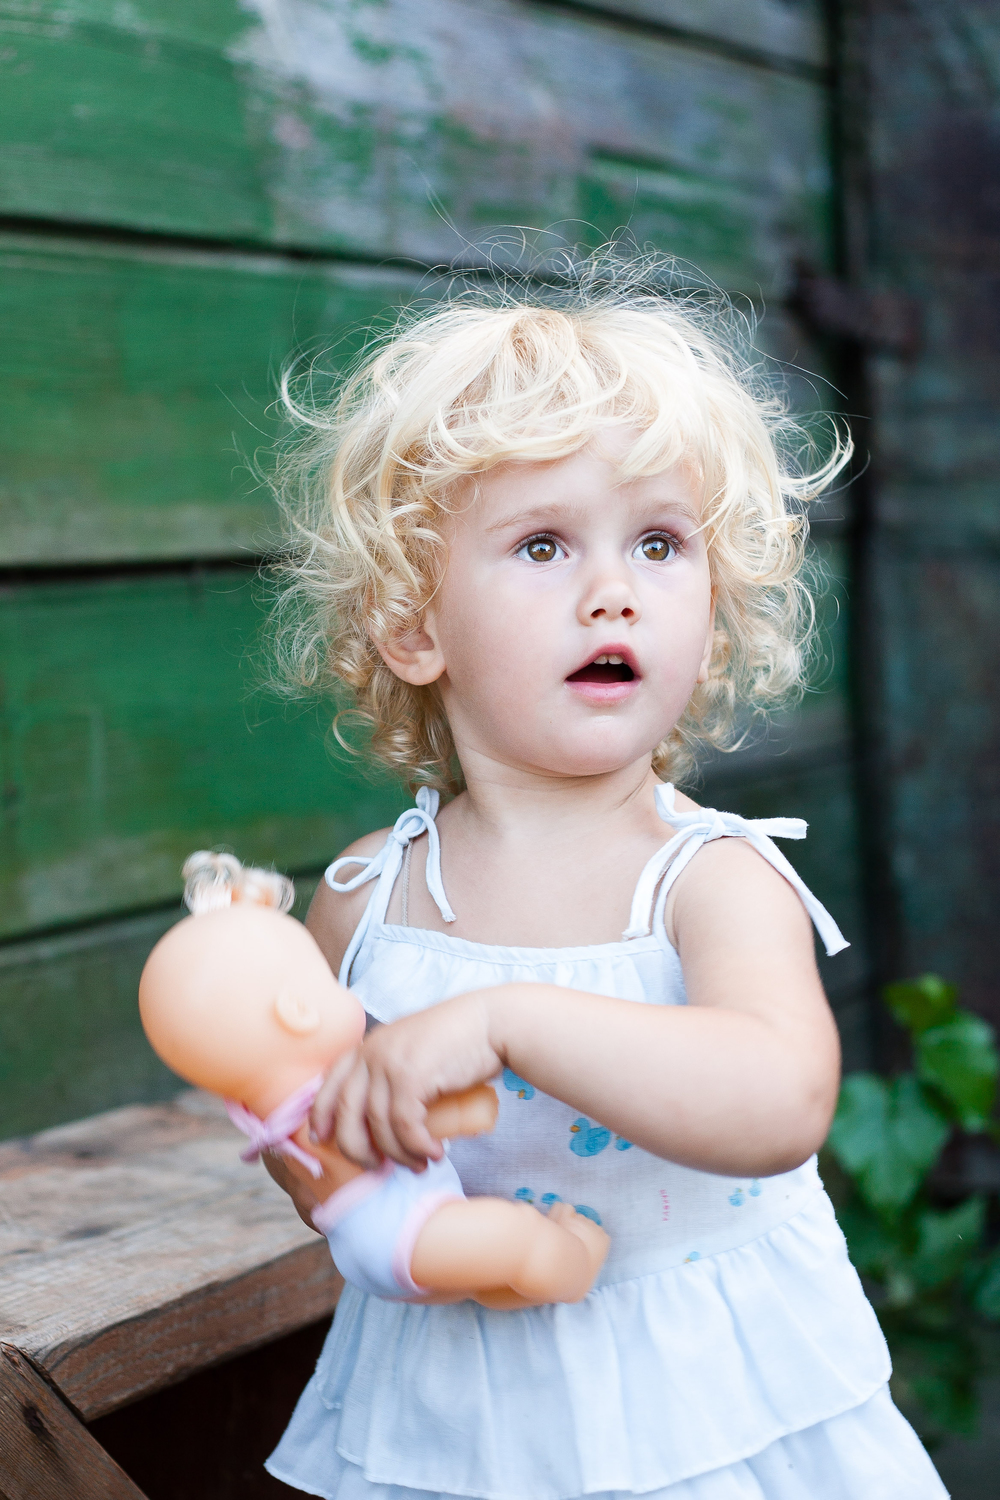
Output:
(415, 657)
(709, 643)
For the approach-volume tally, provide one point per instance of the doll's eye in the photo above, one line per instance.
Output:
(658, 548)
(541, 549)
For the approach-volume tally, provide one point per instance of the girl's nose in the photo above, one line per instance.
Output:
(610, 598)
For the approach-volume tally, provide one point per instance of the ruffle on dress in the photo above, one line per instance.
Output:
(867, 1453)
(678, 1384)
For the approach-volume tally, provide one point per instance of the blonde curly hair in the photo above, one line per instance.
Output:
(514, 372)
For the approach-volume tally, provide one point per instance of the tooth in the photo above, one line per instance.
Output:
(602, 661)
(613, 661)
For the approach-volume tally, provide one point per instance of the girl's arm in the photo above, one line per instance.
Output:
(742, 1081)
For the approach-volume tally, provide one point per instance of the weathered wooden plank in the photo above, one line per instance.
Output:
(137, 386)
(136, 1247)
(70, 1040)
(783, 30)
(938, 619)
(367, 130)
(131, 734)
(927, 87)
(44, 1449)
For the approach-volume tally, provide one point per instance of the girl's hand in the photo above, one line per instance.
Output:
(300, 1192)
(374, 1103)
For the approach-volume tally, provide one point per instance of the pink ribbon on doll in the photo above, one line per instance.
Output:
(273, 1134)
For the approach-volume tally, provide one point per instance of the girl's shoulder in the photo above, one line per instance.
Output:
(333, 915)
(730, 884)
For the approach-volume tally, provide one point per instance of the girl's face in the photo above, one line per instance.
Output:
(575, 616)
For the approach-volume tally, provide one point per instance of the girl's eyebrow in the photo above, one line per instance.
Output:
(534, 515)
(548, 511)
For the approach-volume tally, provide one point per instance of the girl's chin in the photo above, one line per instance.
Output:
(591, 757)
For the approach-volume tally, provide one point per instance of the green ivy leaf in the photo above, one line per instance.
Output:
(960, 1059)
(887, 1136)
(920, 1003)
(946, 1241)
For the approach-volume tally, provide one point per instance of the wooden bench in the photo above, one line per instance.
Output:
(135, 1249)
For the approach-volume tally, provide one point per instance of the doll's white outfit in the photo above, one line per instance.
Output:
(727, 1350)
(372, 1224)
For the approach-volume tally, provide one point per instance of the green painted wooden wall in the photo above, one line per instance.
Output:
(192, 190)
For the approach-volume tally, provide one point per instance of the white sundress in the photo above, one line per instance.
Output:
(727, 1350)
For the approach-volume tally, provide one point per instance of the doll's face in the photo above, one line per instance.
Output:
(575, 616)
(242, 1002)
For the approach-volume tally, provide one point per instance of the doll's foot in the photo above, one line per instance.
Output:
(595, 1240)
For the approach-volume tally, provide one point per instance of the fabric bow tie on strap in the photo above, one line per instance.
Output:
(702, 826)
(273, 1134)
(385, 866)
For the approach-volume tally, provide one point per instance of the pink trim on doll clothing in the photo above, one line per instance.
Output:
(402, 1252)
(328, 1214)
(284, 1120)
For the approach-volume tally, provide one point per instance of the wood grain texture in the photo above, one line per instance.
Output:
(367, 130)
(927, 82)
(136, 1247)
(138, 385)
(133, 732)
(783, 30)
(45, 1450)
(70, 1039)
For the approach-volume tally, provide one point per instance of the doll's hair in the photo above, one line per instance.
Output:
(213, 880)
(514, 371)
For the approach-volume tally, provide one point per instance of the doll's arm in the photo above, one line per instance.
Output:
(471, 1112)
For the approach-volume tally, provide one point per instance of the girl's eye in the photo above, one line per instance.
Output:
(656, 549)
(541, 549)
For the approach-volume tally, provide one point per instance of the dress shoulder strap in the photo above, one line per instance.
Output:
(702, 826)
(384, 867)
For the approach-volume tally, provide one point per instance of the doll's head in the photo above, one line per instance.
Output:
(642, 401)
(237, 998)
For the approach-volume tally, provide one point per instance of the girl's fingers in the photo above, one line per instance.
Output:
(324, 1110)
(397, 1129)
(351, 1130)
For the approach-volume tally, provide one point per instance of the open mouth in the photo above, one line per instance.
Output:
(604, 669)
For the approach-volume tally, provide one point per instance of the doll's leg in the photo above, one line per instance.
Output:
(488, 1244)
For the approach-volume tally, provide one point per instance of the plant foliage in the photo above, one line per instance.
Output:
(926, 1264)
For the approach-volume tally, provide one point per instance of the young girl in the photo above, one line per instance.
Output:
(553, 549)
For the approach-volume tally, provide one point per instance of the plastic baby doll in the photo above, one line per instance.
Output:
(552, 545)
(238, 999)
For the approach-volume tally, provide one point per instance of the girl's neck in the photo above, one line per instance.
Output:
(511, 803)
